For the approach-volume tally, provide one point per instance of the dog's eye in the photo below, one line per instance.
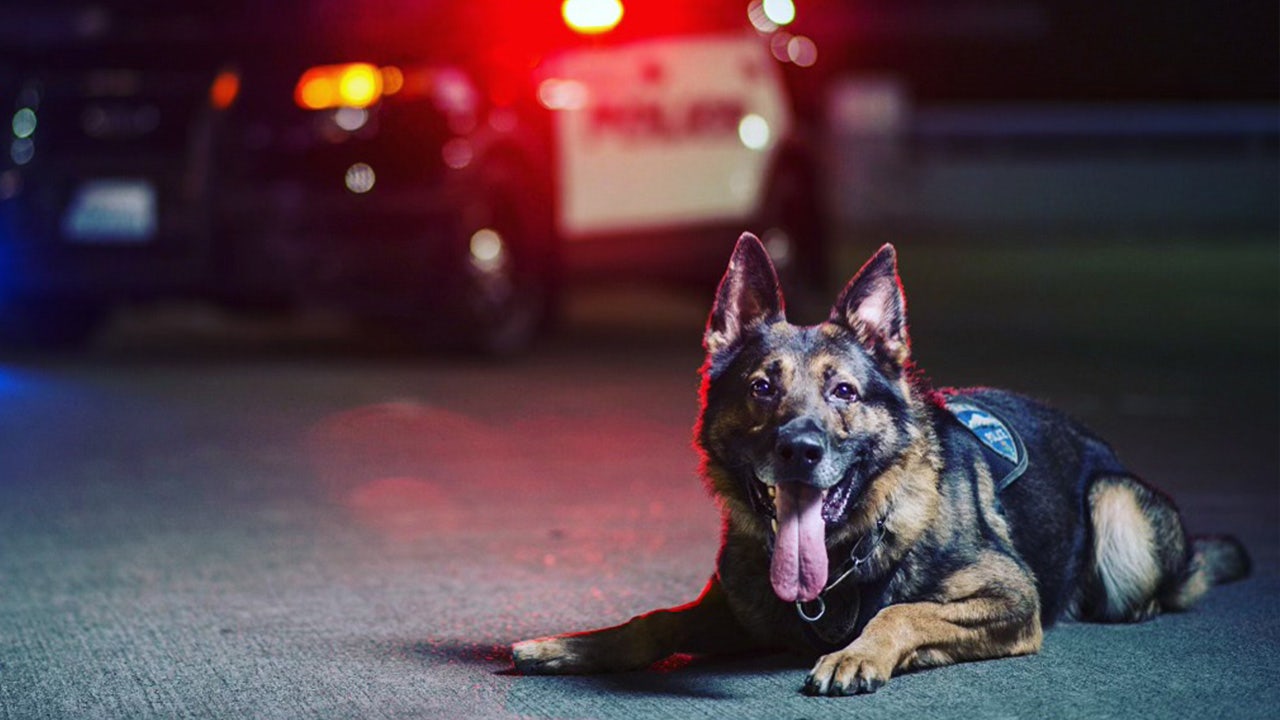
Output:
(762, 388)
(844, 391)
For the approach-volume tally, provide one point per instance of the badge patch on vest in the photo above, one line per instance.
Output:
(988, 428)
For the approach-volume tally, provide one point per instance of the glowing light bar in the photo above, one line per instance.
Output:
(591, 17)
(224, 90)
(392, 80)
(781, 12)
(354, 85)
(769, 15)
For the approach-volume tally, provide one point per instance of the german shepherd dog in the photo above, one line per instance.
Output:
(868, 524)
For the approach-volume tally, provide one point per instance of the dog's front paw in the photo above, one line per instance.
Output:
(846, 673)
(573, 654)
(545, 656)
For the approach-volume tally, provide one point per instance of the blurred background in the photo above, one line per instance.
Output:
(449, 171)
(370, 329)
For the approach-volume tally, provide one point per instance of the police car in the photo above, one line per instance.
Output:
(440, 166)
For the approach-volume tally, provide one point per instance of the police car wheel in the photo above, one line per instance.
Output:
(48, 323)
(507, 296)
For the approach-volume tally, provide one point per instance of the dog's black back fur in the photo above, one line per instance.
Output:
(1046, 507)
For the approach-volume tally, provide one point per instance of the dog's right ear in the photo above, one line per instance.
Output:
(749, 294)
(873, 306)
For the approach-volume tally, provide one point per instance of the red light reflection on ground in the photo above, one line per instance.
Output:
(401, 468)
(411, 471)
(404, 509)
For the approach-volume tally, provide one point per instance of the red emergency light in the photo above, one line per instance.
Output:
(591, 17)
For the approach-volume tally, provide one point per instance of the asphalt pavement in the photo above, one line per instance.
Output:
(201, 518)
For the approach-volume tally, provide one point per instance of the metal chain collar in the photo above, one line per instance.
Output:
(854, 562)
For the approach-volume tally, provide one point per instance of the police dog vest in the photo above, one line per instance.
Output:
(997, 436)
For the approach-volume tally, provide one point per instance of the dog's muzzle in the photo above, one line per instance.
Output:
(799, 450)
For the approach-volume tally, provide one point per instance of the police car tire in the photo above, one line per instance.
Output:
(530, 306)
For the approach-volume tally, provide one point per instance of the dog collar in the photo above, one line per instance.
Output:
(810, 612)
(813, 611)
(857, 558)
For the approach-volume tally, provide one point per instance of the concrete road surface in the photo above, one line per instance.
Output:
(197, 524)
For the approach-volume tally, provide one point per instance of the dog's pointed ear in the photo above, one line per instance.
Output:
(874, 307)
(748, 294)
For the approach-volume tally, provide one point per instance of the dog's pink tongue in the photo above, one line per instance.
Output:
(799, 567)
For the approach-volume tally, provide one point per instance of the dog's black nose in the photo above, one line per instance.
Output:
(801, 445)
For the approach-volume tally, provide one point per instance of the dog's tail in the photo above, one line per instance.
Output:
(1143, 561)
(1215, 559)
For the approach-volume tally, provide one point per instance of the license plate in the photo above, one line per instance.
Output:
(111, 212)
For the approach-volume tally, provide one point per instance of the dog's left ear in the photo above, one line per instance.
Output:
(748, 295)
(874, 307)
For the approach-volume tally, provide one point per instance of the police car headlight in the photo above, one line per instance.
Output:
(488, 251)
(754, 131)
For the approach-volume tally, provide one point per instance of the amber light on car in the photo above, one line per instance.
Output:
(353, 85)
(225, 88)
